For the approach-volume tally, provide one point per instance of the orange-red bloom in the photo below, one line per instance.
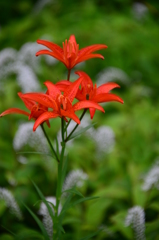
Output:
(70, 55)
(35, 109)
(61, 104)
(92, 93)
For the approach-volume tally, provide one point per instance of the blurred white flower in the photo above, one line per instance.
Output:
(112, 74)
(139, 10)
(26, 78)
(22, 159)
(36, 142)
(10, 201)
(7, 55)
(25, 135)
(84, 123)
(11, 62)
(152, 178)
(136, 219)
(23, 64)
(104, 138)
(107, 231)
(40, 5)
(75, 178)
(26, 55)
(47, 220)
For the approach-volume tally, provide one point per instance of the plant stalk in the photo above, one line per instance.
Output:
(50, 144)
(57, 225)
(67, 138)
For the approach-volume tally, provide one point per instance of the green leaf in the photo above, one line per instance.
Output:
(41, 153)
(29, 234)
(61, 228)
(37, 202)
(91, 235)
(97, 210)
(82, 200)
(66, 204)
(118, 221)
(154, 206)
(152, 226)
(7, 237)
(75, 191)
(8, 230)
(45, 201)
(38, 222)
(81, 131)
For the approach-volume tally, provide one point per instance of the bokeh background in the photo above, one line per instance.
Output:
(118, 159)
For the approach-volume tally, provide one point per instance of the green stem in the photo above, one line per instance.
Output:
(57, 224)
(68, 124)
(49, 142)
(67, 138)
(68, 75)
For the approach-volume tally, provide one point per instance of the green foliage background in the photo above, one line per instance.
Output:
(117, 177)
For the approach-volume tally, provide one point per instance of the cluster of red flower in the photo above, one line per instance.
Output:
(52, 104)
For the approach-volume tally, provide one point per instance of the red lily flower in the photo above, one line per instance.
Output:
(92, 93)
(61, 104)
(35, 109)
(70, 55)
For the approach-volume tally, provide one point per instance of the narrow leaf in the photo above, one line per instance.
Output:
(38, 222)
(37, 202)
(82, 200)
(91, 235)
(74, 191)
(29, 234)
(61, 229)
(9, 230)
(81, 131)
(66, 204)
(44, 200)
(41, 153)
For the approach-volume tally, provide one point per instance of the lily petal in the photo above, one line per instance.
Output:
(44, 117)
(105, 88)
(92, 48)
(107, 97)
(72, 39)
(53, 90)
(41, 98)
(63, 84)
(50, 45)
(14, 110)
(87, 104)
(86, 79)
(84, 57)
(52, 54)
(92, 112)
(71, 91)
(70, 114)
(28, 103)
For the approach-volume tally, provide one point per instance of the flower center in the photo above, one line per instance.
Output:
(62, 102)
(87, 96)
